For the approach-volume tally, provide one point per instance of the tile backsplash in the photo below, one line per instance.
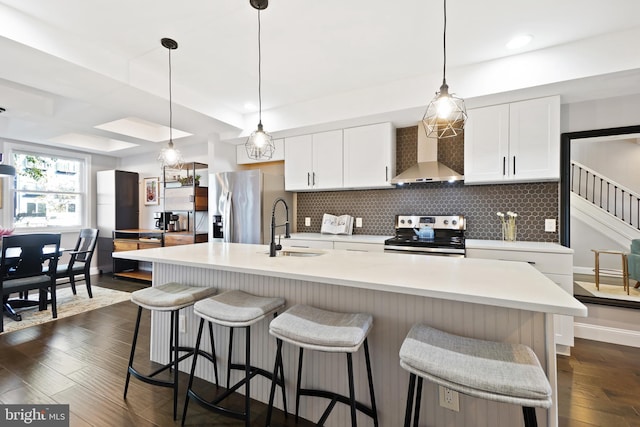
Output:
(533, 202)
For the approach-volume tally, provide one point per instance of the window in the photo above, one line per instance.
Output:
(50, 191)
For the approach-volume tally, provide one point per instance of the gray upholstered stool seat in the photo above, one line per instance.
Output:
(503, 372)
(312, 328)
(235, 309)
(170, 297)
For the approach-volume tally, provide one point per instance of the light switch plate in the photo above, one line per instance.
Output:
(307, 221)
(550, 225)
(449, 399)
(359, 222)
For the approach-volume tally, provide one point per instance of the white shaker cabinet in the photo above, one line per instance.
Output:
(551, 259)
(243, 159)
(369, 156)
(517, 142)
(313, 162)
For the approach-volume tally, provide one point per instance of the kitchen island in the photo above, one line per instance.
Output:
(490, 299)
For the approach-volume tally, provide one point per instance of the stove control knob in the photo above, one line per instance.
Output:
(409, 222)
(454, 222)
(402, 221)
(446, 222)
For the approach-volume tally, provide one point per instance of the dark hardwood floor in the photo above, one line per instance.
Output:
(82, 360)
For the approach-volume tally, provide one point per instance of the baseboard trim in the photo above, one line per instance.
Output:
(607, 334)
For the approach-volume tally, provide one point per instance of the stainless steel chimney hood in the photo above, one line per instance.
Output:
(428, 169)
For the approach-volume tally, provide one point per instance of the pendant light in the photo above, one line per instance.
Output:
(170, 156)
(446, 114)
(259, 145)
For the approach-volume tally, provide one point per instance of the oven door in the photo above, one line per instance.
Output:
(421, 250)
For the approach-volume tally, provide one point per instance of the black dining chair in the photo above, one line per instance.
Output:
(80, 262)
(25, 264)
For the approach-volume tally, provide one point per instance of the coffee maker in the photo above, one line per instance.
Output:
(163, 219)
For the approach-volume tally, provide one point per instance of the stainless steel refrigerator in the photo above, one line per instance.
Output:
(241, 203)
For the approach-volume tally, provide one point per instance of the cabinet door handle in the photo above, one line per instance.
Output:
(386, 173)
(314, 179)
(514, 165)
(308, 179)
(504, 166)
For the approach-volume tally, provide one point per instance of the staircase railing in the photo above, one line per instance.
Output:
(619, 201)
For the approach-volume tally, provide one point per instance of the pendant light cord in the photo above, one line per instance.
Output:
(444, 45)
(259, 73)
(170, 105)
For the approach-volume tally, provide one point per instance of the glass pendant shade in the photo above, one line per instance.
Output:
(260, 145)
(446, 115)
(170, 157)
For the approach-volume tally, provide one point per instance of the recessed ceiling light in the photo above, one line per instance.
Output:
(519, 41)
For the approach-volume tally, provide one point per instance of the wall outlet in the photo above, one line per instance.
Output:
(182, 324)
(359, 222)
(550, 225)
(307, 221)
(449, 399)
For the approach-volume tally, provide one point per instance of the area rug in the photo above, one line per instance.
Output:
(68, 305)
(611, 291)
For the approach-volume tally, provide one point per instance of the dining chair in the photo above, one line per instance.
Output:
(25, 264)
(80, 262)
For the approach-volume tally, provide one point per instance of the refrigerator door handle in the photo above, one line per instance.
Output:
(227, 218)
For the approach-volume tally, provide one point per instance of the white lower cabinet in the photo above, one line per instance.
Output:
(551, 259)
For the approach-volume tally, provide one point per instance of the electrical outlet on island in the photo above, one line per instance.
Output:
(307, 221)
(449, 399)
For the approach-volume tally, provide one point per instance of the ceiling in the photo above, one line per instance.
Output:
(71, 65)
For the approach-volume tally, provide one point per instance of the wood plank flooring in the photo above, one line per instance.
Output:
(82, 360)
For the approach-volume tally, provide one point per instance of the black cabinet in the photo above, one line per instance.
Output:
(117, 209)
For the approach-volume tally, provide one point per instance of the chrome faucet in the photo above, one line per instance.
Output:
(273, 247)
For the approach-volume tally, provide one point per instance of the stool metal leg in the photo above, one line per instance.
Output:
(277, 365)
(193, 369)
(299, 381)
(352, 392)
(229, 357)
(529, 416)
(176, 357)
(213, 354)
(410, 391)
(416, 415)
(247, 376)
(133, 350)
(374, 409)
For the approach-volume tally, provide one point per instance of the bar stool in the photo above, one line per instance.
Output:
(502, 372)
(168, 297)
(235, 309)
(312, 328)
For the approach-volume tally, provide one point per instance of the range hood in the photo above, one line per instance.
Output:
(428, 168)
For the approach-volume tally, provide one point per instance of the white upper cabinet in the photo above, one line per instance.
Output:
(369, 156)
(517, 142)
(243, 159)
(313, 162)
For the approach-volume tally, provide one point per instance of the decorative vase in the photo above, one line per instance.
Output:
(509, 231)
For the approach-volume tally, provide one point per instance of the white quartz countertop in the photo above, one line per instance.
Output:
(354, 238)
(499, 283)
(502, 245)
